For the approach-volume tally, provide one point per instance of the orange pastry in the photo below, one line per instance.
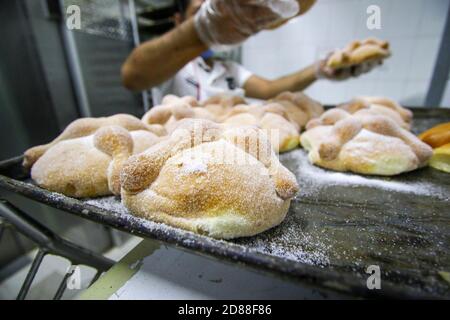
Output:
(437, 136)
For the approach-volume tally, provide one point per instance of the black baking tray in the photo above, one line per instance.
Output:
(337, 226)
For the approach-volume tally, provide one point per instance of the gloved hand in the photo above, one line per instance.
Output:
(324, 72)
(224, 23)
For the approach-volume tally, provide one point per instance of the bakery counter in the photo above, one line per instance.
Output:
(339, 227)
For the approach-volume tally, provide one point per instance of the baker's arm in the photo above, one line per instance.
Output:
(157, 60)
(218, 23)
(260, 88)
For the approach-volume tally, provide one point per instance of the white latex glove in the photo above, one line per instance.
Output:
(224, 23)
(324, 72)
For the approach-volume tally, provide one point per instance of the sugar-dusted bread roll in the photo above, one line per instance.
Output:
(89, 165)
(358, 52)
(438, 138)
(283, 116)
(173, 109)
(87, 126)
(363, 143)
(383, 106)
(299, 107)
(220, 105)
(273, 118)
(225, 183)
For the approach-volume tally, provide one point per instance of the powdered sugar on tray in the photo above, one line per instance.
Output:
(112, 204)
(312, 178)
(316, 257)
(284, 241)
(289, 242)
(109, 204)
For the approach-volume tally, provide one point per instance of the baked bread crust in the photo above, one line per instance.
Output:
(214, 194)
(273, 118)
(380, 105)
(174, 109)
(82, 162)
(363, 143)
(220, 105)
(358, 52)
(284, 116)
(299, 107)
(87, 126)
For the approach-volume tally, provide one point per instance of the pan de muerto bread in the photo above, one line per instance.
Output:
(299, 107)
(380, 105)
(272, 118)
(88, 165)
(363, 143)
(87, 126)
(210, 179)
(358, 52)
(173, 109)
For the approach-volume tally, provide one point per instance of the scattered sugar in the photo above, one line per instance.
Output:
(194, 166)
(317, 257)
(285, 241)
(288, 241)
(111, 203)
(114, 206)
(312, 178)
(55, 196)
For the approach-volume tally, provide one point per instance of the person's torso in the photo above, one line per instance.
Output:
(199, 80)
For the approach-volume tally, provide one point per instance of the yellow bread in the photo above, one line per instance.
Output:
(441, 158)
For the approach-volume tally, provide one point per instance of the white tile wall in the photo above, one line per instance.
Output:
(446, 99)
(415, 92)
(432, 17)
(413, 27)
(423, 57)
